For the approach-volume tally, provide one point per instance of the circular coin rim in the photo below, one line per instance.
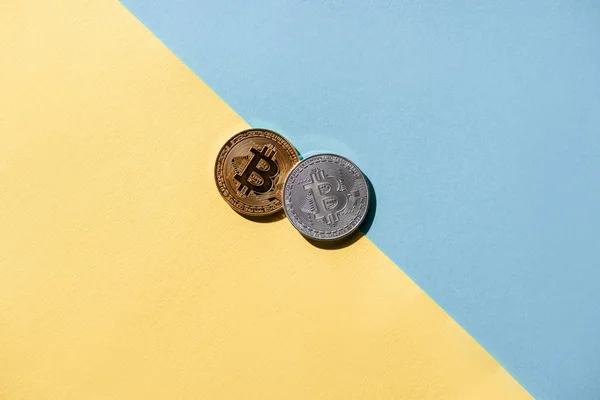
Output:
(362, 219)
(242, 133)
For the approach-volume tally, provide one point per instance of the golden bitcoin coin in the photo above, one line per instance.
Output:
(251, 169)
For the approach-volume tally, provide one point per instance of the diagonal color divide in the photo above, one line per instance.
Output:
(478, 124)
(124, 275)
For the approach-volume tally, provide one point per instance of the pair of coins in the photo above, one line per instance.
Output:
(325, 196)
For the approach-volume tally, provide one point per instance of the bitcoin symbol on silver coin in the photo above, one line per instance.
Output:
(330, 200)
(326, 197)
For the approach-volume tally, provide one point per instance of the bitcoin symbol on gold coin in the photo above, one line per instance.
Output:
(259, 173)
(251, 169)
(330, 200)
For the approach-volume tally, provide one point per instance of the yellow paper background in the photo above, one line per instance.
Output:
(123, 275)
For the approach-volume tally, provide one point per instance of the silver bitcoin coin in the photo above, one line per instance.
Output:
(326, 197)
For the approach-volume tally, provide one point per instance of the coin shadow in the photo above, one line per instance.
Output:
(267, 219)
(370, 217)
(356, 236)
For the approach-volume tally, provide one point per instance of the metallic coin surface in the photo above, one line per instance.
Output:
(251, 169)
(326, 197)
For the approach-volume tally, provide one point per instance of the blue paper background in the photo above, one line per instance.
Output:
(478, 124)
